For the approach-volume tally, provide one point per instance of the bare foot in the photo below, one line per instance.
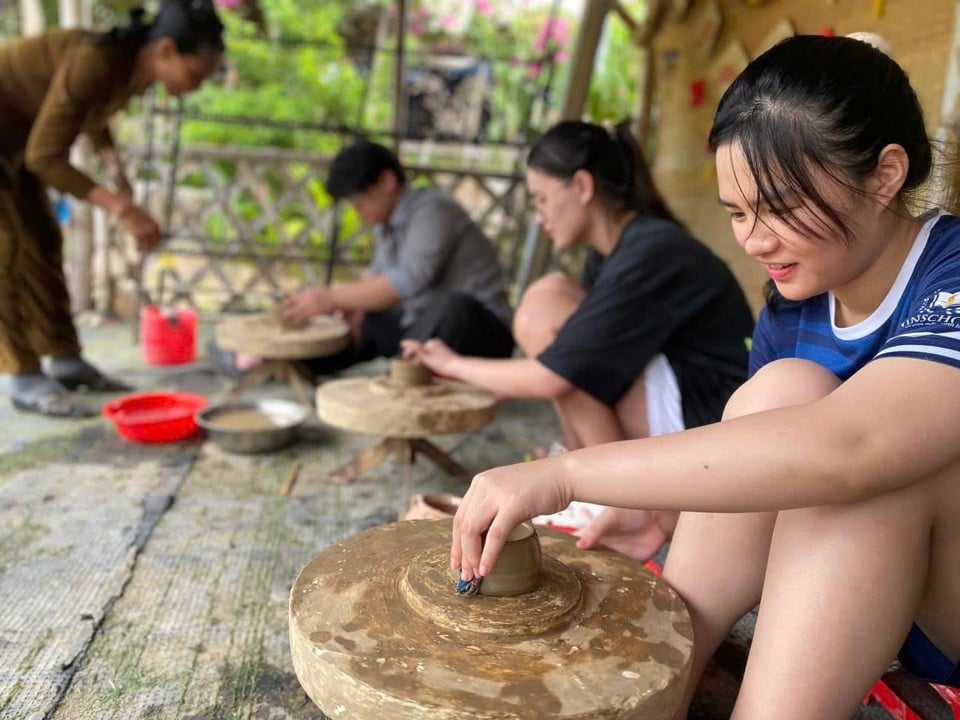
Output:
(247, 362)
(636, 533)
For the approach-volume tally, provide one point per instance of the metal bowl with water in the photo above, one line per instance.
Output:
(253, 426)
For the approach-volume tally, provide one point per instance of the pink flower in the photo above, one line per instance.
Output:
(484, 7)
(556, 31)
(228, 4)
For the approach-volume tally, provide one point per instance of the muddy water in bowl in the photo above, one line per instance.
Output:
(249, 427)
(244, 420)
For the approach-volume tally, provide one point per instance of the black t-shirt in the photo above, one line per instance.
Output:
(659, 291)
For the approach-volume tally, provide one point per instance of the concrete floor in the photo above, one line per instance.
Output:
(151, 581)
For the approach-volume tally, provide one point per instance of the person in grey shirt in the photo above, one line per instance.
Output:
(434, 274)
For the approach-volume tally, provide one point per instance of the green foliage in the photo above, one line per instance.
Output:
(307, 77)
(615, 82)
(289, 82)
(518, 82)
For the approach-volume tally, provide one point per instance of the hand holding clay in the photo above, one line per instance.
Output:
(635, 533)
(433, 353)
(285, 323)
(306, 304)
(498, 500)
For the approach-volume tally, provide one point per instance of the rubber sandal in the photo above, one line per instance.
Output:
(53, 405)
(94, 383)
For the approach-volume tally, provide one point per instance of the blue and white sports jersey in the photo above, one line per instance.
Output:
(919, 317)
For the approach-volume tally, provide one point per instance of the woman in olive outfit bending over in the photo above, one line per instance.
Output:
(53, 88)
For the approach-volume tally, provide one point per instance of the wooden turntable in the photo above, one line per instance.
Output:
(406, 407)
(282, 348)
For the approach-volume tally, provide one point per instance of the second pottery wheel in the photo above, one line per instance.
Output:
(406, 407)
(264, 336)
(377, 407)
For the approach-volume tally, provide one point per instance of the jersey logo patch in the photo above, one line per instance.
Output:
(949, 302)
(941, 308)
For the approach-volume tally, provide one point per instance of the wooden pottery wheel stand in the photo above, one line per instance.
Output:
(377, 631)
(283, 349)
(406, 408)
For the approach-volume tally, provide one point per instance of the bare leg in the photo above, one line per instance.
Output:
(843, 585)
(590, 421)
(545, 307)
(937, 614)
(841, 589)
(717, 561)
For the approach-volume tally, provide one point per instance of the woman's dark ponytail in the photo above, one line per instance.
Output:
(616, 163)
(641, 194)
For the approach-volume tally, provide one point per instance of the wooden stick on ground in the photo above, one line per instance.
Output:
(291, 478)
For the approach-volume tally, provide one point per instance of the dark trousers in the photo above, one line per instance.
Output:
(459, 320)
(35, 315)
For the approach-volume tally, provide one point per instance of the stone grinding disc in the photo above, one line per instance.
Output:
(263, 335)
(377, 407)
(377, 632)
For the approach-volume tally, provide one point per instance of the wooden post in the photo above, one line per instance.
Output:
(31, 18)
(78, 241)
(399, 78)
(643, 37)
(71, 13)
(641, 123)
(945, 189)
(591, 28)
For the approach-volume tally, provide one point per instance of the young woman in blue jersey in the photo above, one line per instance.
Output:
(652, 339)
(830, 493)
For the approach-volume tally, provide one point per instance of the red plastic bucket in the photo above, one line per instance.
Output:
(168, 337)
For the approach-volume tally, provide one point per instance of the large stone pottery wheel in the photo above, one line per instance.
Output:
(377, 631)
(265, 336)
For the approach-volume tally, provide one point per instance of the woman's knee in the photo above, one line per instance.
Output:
(780, 384)
(543, 309)
(551, 282)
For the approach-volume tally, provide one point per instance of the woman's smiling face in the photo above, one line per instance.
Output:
(802, 264)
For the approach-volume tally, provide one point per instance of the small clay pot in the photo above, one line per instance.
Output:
(517, 570)
(285, 325)
(409, 373)
(432, 506)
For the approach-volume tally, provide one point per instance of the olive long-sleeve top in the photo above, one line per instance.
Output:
(53, 88)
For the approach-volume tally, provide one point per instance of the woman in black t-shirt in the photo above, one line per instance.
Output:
(652, 341)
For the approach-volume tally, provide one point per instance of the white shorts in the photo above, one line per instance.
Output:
(664, 416)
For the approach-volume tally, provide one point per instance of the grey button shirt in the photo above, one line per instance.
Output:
(430, 245)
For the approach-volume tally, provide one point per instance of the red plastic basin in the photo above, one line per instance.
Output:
(155, 417)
